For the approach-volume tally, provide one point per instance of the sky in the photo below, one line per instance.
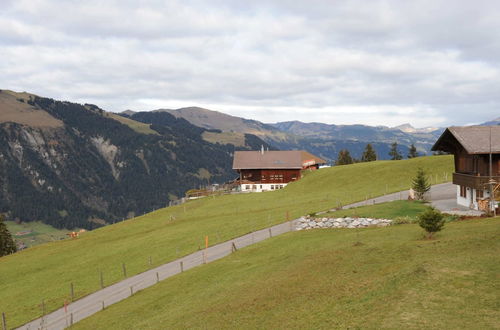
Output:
(427, 63)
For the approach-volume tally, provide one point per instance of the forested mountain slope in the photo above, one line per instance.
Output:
(73, 165)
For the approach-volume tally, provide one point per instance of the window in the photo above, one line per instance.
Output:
(260, 186)
(463, 191)
(254, 187)
(272, 187)
(281, 186)
(247, 187)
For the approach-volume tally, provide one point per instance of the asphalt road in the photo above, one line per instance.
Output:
(97, 301)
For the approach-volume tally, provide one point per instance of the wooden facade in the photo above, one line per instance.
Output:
(471, 147)
(270, 170)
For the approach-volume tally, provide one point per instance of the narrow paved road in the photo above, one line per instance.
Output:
(99, 300)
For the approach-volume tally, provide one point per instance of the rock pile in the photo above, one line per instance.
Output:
(308, 222)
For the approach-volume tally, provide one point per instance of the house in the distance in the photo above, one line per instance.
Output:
(477, 160)
(271, 170)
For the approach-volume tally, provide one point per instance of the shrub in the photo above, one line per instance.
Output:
(420, 184)
(431, 221)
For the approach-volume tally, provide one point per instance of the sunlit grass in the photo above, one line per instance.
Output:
(371, 278)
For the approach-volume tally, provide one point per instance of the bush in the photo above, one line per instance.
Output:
(431, 221)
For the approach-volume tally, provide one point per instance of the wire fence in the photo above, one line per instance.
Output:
(100, 300)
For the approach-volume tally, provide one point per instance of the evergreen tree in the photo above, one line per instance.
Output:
(394, 153)
(7, 245)
(420, 184)
(344, 158)
(431, 221)
(412, 153)
(369, 154)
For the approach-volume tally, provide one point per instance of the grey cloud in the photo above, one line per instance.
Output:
(367, 62)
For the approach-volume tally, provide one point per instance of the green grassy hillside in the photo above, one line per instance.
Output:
(332, 279)
(45, 272)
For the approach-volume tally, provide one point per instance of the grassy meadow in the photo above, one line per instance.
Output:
(371, 278)
(389, 210)
(35, 233)
(45, 272)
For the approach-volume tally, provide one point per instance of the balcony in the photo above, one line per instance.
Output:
(473, 181)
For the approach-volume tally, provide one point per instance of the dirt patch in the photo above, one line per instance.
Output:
(15, 109)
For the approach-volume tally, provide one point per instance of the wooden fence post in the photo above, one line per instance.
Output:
(233, 247)
(72, 291)
(4, 322)
(182, 266)
(101, 278)
(124, 270)
(270, 233)
(157, 277)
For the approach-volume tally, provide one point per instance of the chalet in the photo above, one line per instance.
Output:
(476, 150)
(271, 170)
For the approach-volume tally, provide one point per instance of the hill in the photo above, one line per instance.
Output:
(374, 278)
(45, 272)
(71, 165)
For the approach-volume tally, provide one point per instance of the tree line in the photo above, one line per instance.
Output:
(344, 157)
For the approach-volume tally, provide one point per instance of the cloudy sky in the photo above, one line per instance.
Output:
(429, 63)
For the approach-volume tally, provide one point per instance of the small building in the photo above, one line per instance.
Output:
(476, 150)
(271, 170)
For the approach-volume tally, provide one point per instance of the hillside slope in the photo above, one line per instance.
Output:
(374, 278)
(45, 272)
(72, 165)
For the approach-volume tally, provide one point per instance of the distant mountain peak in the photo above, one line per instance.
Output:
(408, 128)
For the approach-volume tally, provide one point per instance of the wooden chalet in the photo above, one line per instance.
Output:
(271, 170)
(477, 161)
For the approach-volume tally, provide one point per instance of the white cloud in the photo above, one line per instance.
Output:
(423, 62)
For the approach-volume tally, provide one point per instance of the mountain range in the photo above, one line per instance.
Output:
(324, 140)
(71, 165)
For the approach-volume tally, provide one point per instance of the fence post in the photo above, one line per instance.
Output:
(4, 322)
(72, 291)
(103, 305)
(270, 233)
(204, 257)
(131, 291)
(157, 277)
(43, 308)
(101, 278)
(71, 319)
(124, 270)
(233, 247)
(182, 266)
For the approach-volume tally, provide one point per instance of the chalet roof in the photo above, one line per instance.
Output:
(293, 159)
(474, 139)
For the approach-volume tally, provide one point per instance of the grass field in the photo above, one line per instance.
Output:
(388, 210)
(374, 278)
(39, 233)
(45, 272)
